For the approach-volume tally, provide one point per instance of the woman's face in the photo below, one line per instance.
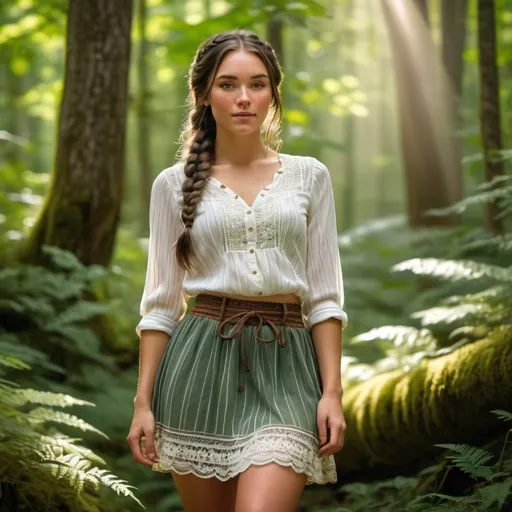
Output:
(240, 86)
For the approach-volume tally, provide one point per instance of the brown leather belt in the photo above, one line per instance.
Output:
(251, 312)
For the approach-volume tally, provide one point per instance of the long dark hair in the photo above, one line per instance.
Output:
(198, 136)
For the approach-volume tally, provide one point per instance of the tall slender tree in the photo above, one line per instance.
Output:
(453, 27)
(82, 208)
(143, 124)
(490, 119)
(433, 178)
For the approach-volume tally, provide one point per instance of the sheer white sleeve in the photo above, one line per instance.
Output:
(163, 301)
(323, 265)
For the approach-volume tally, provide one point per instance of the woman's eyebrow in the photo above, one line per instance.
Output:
(234, 77)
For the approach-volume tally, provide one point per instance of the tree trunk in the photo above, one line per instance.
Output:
(275, 37)
(13, 115)
(490, 129)
(454, 15)
(82, 209)
(453, 27)
(143, 124)
(433, 178)
(394, 419)
(348, 128)
(422, 7)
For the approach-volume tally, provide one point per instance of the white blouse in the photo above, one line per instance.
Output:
(285, 242)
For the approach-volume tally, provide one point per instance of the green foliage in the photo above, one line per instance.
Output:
(489, 489)
(460, 301)
(46, 327)
(47, 304)
(44, 468)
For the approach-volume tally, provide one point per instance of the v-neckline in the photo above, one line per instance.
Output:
(277, 174)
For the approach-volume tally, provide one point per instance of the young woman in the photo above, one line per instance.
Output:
(240, 399)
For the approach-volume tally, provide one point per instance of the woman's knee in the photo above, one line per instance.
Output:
(269, 488)
(205, 494)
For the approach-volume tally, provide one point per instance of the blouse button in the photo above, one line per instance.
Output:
(223, 186)
(254, 272)
(240, 388)
(252, 251)
(250, 230)
(262, 195)
(236, 197)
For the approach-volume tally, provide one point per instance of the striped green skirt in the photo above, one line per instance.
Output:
(215, 417)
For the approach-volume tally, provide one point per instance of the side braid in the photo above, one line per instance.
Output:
(197, 171)
(197, 139)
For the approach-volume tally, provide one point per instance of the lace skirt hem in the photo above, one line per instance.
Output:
(206, 455)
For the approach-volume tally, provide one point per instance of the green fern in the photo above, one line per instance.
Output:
(503, 415)
(42, 414)
(17, 398)
(469, 459)
(495, 494)
(455, 270)
(27, 451)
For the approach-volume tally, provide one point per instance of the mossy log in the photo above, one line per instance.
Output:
(394, 419)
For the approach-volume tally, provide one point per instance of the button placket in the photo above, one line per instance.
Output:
(251, 244)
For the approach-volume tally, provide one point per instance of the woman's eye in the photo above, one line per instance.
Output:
(227, 85)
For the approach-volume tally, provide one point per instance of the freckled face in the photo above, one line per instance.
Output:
(241, 84)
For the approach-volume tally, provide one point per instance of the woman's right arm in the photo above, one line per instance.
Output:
(163, 303)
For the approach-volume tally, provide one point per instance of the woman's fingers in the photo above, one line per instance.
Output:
(337, 437)
(134, 440)
(150, 446)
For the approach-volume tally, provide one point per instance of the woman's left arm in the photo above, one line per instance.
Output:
(323, 307)
(327, 339)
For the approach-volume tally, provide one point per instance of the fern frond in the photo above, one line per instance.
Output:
(61, 444)
(502, 243)
(41, 414)
(399, 334)
(114, 483)
(455, 270)
(31, 356)
(24, 396)
(470, 459)
(13, 362)
(495, 494)
(445, 315)
(65, 260)
(78, 312)
(503, 415)
(476, 199)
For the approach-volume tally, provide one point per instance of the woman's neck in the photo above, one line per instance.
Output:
(239, 151)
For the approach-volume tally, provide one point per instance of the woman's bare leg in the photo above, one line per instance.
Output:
(205, 494)
(269, 488)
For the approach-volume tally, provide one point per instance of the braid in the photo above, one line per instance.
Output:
(197, 171)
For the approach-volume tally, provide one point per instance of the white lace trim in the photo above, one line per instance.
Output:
(223, 457)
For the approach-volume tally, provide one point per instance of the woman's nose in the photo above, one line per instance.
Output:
(244, 97)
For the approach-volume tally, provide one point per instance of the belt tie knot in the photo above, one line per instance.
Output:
(240, 320)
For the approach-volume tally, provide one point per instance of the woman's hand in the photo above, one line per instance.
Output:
(142, 431)
(331, 424)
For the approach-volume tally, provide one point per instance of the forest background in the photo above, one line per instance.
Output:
(409, 104)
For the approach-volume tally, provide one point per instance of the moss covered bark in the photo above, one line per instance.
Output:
(396, 418)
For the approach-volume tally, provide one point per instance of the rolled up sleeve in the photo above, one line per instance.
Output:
(163, 302)
(325, 298)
